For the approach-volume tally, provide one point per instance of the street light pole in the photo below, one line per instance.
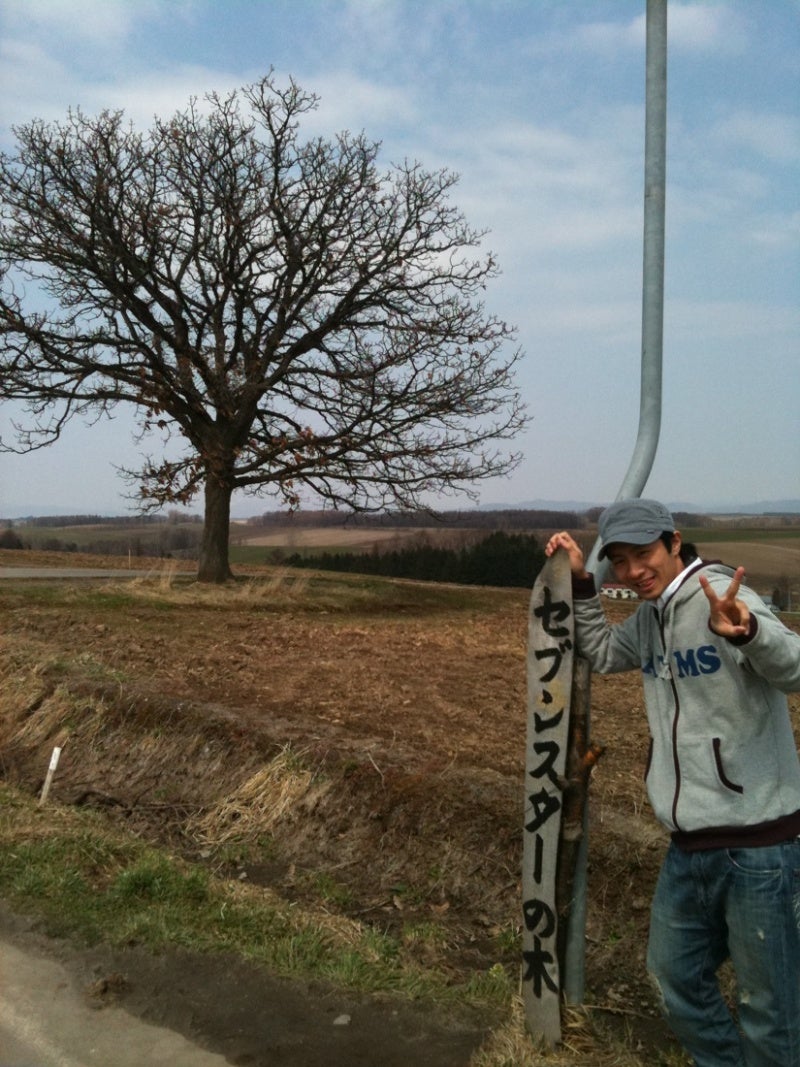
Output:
(655, 169)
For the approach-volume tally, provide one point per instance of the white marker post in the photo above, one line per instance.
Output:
(551, 635)
(51, 770)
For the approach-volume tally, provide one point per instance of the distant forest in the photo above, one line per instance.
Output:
(48, 521)
(502, 519)
(504, 559)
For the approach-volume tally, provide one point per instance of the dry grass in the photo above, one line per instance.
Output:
(584, 1042)
(266, 797)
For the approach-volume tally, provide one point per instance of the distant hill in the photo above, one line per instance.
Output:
(20, 512)
(762, 507)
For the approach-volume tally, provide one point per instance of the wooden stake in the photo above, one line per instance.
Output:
(51, 770)
(550, 666)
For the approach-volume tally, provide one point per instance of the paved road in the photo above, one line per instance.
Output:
(71, 572)
(47, 1021)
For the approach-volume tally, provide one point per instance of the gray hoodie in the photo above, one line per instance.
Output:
(723, 762)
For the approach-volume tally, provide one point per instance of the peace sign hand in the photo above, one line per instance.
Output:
(728, 616)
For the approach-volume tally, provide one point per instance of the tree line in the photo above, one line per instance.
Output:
(501, 559)
(155, 540)
(500, 519)
(109, 520)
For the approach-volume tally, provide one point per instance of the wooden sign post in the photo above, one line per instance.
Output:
(551, 639)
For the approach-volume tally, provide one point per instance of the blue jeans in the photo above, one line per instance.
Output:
(737, 903)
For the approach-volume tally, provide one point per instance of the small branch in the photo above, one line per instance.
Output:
(375, 765)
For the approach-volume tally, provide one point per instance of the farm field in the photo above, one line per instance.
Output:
(766, 561)
(769, 555)
(354, 745)
(294, 539)
(768, 549)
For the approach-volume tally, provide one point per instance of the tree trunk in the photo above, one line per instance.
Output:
(214, 565)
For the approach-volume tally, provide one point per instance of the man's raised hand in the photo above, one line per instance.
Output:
(728, 616)
(564, 540)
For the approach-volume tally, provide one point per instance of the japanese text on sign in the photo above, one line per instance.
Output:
(550, 663)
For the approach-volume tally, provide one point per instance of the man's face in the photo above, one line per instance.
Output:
(646, 569)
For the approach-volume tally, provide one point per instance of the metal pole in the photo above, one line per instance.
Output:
(655, 171)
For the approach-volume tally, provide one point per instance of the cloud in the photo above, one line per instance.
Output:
(543, 189)
(29, 72)
(142, 97)
(610, 36)
(774, 137)
(90, 21)
(372, 20)
(776, 231)
(739, 321)
(691, 27)
(348, 101)
(705, 28)
(82, 47)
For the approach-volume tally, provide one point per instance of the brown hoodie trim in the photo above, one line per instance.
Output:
(765, 833)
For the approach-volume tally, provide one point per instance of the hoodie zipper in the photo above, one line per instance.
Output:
(676, 715)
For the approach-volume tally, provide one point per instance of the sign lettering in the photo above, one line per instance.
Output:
(550, 666)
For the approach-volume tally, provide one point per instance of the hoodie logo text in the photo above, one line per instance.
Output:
(690, 663)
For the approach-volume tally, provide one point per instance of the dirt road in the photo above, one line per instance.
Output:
(69, 572)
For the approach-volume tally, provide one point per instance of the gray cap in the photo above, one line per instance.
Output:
(633, 522)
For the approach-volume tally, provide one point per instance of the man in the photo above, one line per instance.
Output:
(723, 776)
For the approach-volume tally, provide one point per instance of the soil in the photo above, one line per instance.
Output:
(407, 717)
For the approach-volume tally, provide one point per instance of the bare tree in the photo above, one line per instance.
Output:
(290, 316)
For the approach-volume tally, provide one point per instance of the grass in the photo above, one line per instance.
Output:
(274, 589)
(255, 555)
(90, 882)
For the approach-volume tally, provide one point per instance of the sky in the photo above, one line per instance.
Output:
(539, 107)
